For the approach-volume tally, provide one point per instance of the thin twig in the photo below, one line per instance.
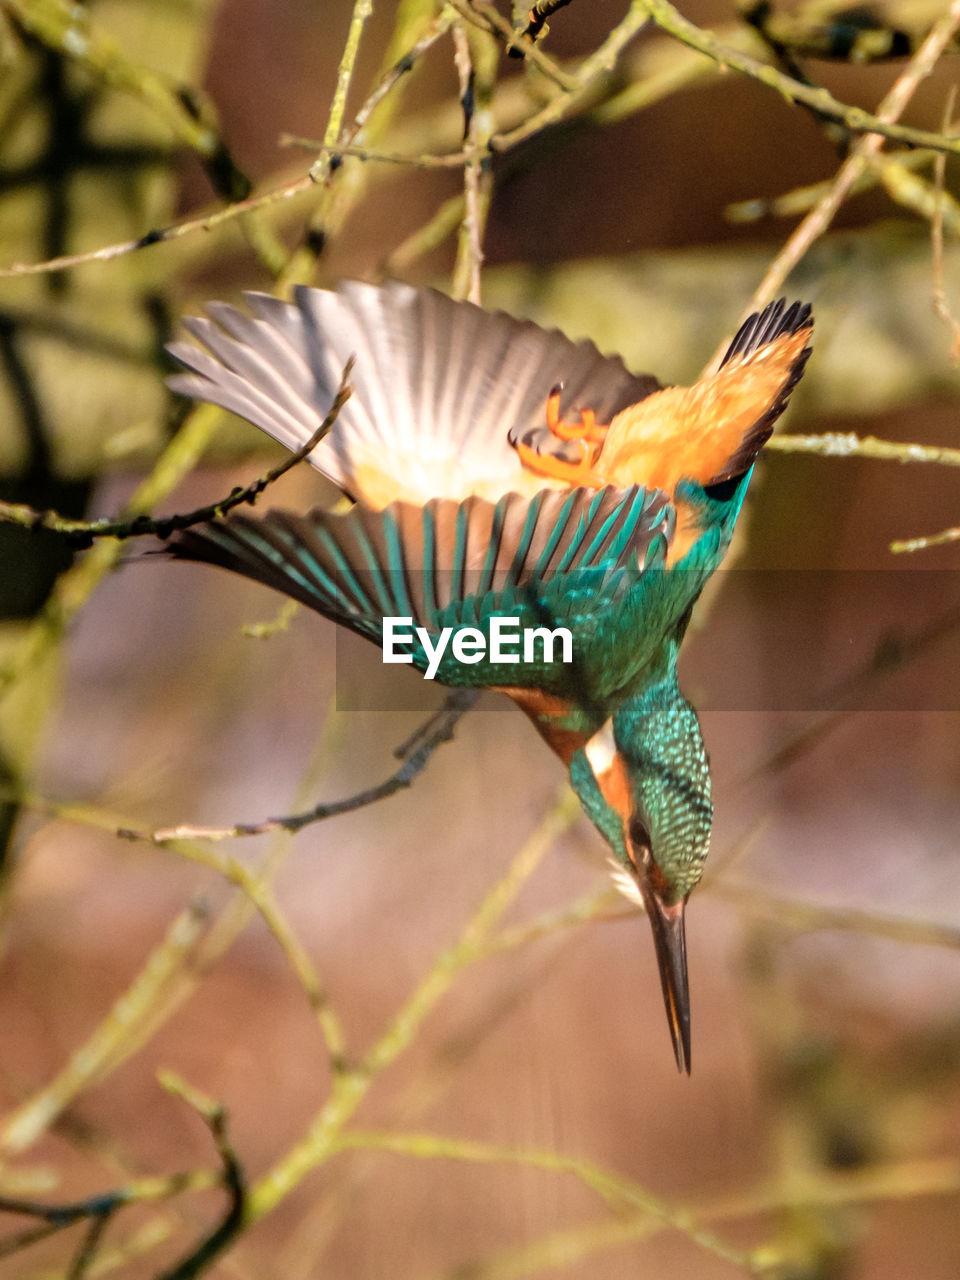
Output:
(444, 722)
(537, 17)
(619, 1193)
(925, 541)
(584, 81)
(322, 1140)
(160, 235)
(518, 43)
(207, 222)
(848, 445)
(474, 56)
(792, 914)
(111, 1042)
(215, 1117)
(82, 532)
(820, 217)
(362, 10)
(452, 160)
(588, 80)
(821, 101)
(943, 204)
(402, 67)
(801, 199)
(337, 198)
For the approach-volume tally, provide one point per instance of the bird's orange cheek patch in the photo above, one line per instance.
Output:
(610, 772)
(615, 787)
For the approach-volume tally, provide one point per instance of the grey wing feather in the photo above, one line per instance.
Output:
(435, 381)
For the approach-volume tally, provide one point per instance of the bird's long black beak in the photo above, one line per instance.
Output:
(670, 941)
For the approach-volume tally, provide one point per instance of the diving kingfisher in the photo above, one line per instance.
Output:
(498, 469)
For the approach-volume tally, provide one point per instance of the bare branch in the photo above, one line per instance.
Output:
(214, 1116)
(415, 761)
(820, 100)
(82, 532)
(821, 216)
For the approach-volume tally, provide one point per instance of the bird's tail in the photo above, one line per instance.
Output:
(763, 364)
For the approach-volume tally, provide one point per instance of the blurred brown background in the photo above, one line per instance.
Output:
(821, 1121)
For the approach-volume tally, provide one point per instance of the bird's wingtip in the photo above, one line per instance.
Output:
(776, 320)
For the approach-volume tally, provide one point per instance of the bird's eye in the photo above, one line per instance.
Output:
(640, 839)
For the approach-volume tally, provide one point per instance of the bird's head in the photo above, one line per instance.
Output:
(644, 780)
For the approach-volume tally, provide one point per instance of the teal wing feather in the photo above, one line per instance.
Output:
(579, 559)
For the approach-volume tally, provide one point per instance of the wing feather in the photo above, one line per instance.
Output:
(558, 558)
(441, 388)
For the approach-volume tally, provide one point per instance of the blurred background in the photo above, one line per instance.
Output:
(522, 1116)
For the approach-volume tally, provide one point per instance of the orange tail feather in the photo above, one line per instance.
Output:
(708, 432)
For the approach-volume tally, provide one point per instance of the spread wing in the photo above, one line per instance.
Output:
(438, 385)
(563, 558)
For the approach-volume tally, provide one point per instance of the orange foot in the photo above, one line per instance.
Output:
(586, 429)
(587, 432)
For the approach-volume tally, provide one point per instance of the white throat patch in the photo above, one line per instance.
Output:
(625, 883)
(601, 750)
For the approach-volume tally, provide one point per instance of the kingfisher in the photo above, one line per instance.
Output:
(499, 470)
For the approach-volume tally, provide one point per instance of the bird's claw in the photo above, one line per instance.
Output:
(587, 433)
(587, 429)
(574, 473)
